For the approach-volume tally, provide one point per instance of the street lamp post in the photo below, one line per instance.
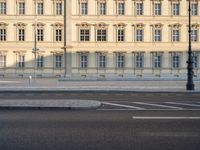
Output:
(65, 38)
(190, 85)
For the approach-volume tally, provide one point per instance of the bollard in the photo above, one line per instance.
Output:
(29, 80)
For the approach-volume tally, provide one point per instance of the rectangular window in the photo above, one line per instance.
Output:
(2, 8)
(195, 61)
(175, 61)
(2, 61)
(176, 9)
(2, 34)
(139, 60)
(102, 60)
(40, 8)
(58, 35)
(101, 35)
(84, 61)
(21, 36)
(21, 8)
(102, 8)
(120, 61)
(58, 8)
(40, 35)
(139, 35)
(84, 35)
(157, 61)
(157, 35)
(58, 61)
(40, 61)
(21, 61)
(121, 7)
(139, 8)
(120, 35)
(194, 9)
(176, 35)
(84, 8)
(194, 35)
(157, 9)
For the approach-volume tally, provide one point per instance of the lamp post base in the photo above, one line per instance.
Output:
(190, 86)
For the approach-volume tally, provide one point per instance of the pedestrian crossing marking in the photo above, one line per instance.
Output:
(157, 105)
(182, 104)
(120, 105)
(152, 106)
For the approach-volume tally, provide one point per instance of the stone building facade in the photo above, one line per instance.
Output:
(106, 39)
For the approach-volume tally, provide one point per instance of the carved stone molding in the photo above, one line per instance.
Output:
(139, 25)
(101, 26)
(3, 24)
(120, 25)
(58, 25)
(84, 25)
(176, 25)
(158, 25)
(20, 25)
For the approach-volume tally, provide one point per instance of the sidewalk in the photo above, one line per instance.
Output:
(52, 84)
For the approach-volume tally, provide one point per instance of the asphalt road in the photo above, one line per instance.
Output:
(97, 130)
(105, 129)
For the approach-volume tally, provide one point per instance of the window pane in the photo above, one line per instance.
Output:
(40, 61)
(40, 8)
(84, 35)
(2, 34)
(3, 8)
(139, 8)
(157, 9)
(83, 61)
(58, 61)
(157, 35)
(176, 9)
(139, 60)
(21, 8)
(194, 9)
(58, 35)
(2, 61)
(175, 61)
(102, 8)
(157, 61)
(176, 35)
(58, 8)
(102, 61)
(84, 8)
(101, 35)
(120, 35)
(120, 61)
(120, 8)
(139, 35)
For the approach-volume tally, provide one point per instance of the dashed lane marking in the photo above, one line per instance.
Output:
(182, 104)
(126, 106)
(157, 105)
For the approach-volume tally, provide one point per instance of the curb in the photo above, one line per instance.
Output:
(62, 90)
(50, 104)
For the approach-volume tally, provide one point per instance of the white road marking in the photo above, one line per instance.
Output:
(126, 106)
(182, 104)
(164, 118)
(157, 105)
(110, 109)
(115, 109)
